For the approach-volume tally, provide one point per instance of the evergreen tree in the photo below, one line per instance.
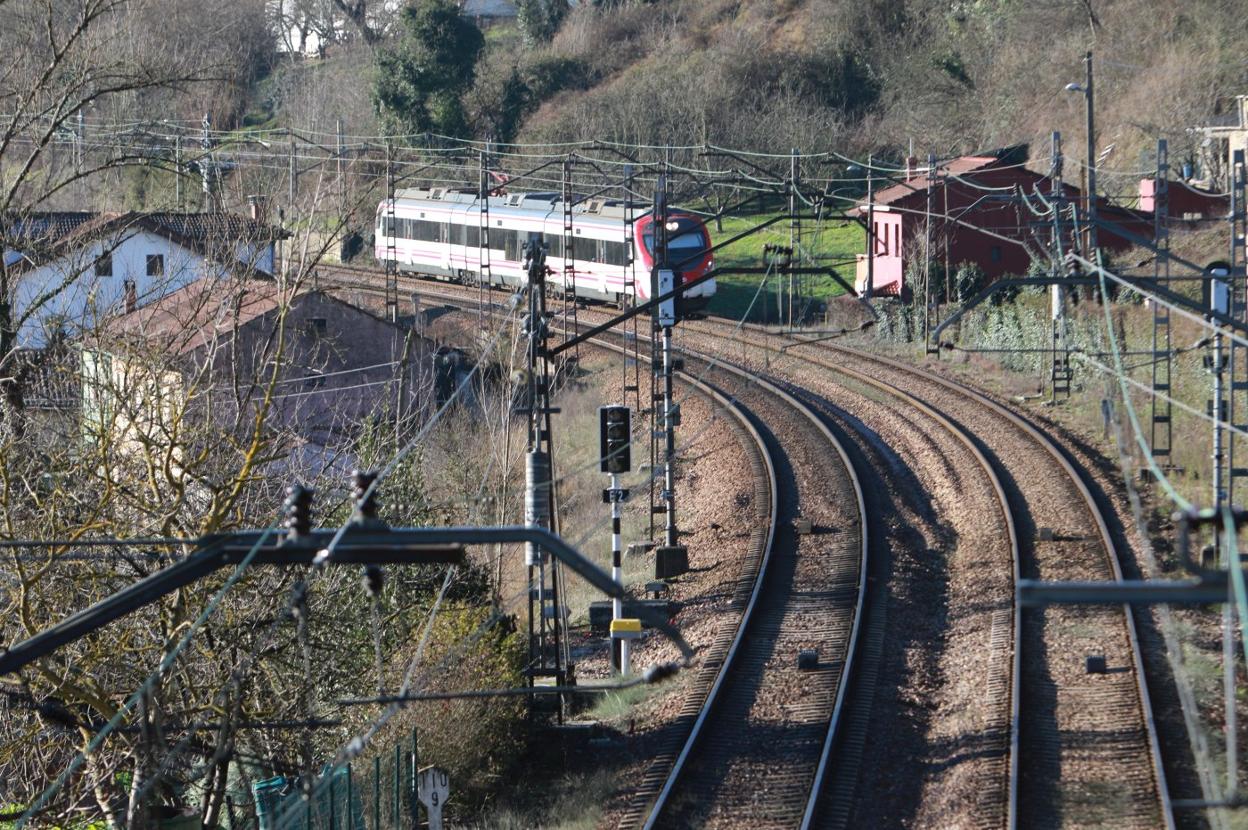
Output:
(540, 19)
(421, 82)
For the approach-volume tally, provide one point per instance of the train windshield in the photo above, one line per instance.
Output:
(687, 240)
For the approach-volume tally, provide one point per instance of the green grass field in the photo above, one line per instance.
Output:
(833, 244)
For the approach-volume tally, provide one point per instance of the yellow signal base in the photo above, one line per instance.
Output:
(625, 629)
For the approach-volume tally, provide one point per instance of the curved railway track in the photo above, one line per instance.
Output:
(1082, 748)
(760, 748)
(1087, 750)
(754, 740)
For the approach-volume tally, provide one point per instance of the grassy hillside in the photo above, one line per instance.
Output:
(831, 245)
(944, 76)
(940, 76)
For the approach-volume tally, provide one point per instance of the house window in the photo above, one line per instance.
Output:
(155, 265)
(994, 253)
(104, 265)
(897, 239)
(317, 326)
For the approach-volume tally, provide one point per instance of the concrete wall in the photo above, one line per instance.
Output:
(333, 375)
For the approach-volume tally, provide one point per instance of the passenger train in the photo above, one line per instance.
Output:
(437, 232)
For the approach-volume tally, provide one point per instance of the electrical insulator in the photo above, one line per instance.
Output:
(1074, 268)
(365, 502)
(298, 511)
(299, 600)
(615, 435)
(374, 580)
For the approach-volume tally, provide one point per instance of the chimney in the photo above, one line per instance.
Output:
(131, 296)
(911, 161)
(257, 205)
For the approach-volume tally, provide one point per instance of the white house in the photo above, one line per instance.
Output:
(70, 270)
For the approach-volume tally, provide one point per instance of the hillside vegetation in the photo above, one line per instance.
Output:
(941, 76)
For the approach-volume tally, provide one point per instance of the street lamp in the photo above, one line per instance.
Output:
(1086, 88)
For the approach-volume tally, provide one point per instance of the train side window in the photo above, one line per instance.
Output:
(554, 244)
(585, 250)
(614, 253)
(511, 246)
(472, 236)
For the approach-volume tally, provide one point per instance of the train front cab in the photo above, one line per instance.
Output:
(688, 250)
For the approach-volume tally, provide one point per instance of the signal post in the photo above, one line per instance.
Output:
(615, 435)
(671, 558)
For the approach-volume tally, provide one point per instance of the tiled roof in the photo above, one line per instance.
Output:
(200, 313)
(44, 236)
(210, 226)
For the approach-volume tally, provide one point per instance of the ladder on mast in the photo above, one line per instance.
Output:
(1161, 433)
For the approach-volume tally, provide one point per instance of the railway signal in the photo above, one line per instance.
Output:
(615, 435)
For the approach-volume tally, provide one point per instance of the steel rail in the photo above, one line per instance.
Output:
(1008, 519)
(1111, 553)
(673, 778)
(449, 294)
(1107, 544)
(1076, 478)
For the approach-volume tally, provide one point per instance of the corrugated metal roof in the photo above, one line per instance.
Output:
(918, 183)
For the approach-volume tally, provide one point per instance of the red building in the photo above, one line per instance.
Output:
(1185, 203)
(977, 210)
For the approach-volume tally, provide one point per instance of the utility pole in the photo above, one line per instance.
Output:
(177, 171)
(870, 227)
(1235, 304)
(671, 559)
(1162, 435)
(545, 614)
(615, 451)
(1091, 126)
(632, 346)
(927, 256)
(79, 137)
(206, 163)
(485, 276)
(794, 225)
(292, 175)
(1059, 366)
(339, 149)
(392, 246)
(1237, 359)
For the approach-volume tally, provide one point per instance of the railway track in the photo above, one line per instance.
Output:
(1082, 747)
(1086, 745)
(755, 738)
(760, 747)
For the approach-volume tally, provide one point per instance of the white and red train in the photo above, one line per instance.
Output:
(437, 232)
